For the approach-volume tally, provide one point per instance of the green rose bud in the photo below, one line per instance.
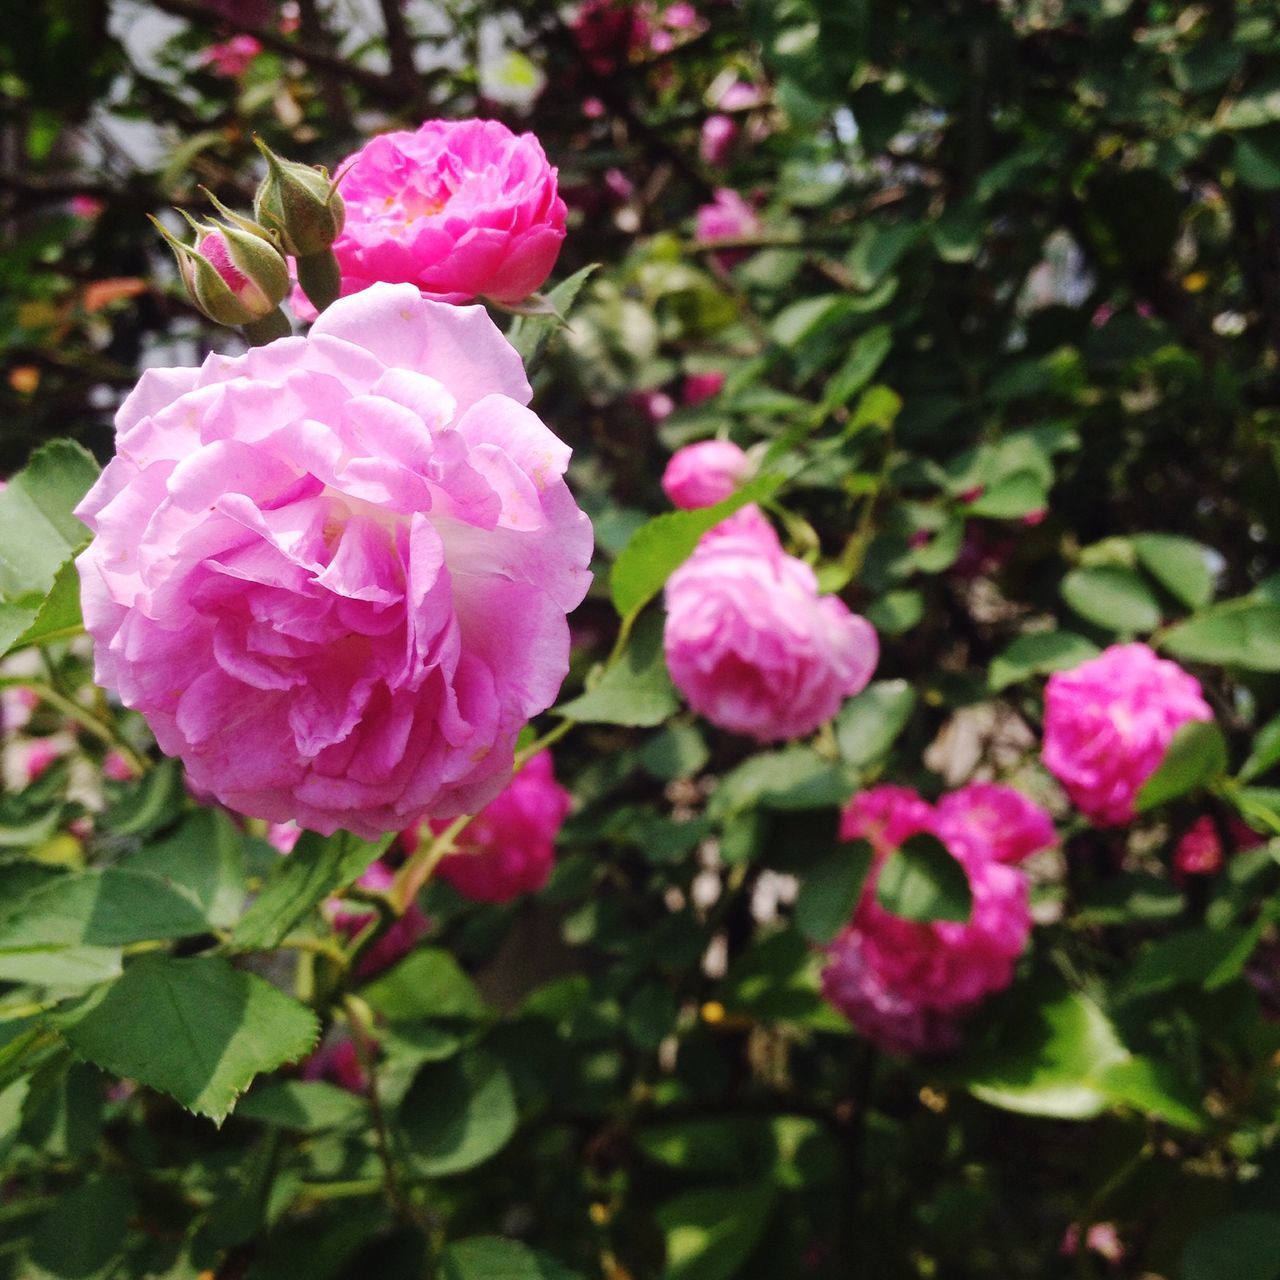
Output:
(299, 204)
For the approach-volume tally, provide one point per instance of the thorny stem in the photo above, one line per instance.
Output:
(417, 870)
(82, 716)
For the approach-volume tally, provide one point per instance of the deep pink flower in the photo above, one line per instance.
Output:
(509, 848)
(1200, 852)
(37, 755)
(232, 57)
(728, 217)
(338, 1062)
(284, 836)
(702, 474)
(611, 32)
(752, 645)
(461, 209)
(351, 918)
(333, 572)
(907, 985)
(117, 768)
(655, 405)
(999, 821)
(1108, 723)
(86, 206)
(699, 387)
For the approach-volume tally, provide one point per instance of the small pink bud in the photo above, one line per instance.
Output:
(719, 132)
(699, 387)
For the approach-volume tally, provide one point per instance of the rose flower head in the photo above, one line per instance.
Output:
(749, 641)
(333, 573)
(702, 474)
(509, 848)
(460, 209)
(1109, 722)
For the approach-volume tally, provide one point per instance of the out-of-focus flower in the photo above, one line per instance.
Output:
(702, 474)
(231, 58)
(85, 206)
(333, 572)
(1003, 823)
(715, 142)
(117, 769)
(655, 405)
(1200, 852)
(699, 387)
(610, 32)
(337, 1061)
(1102, 1238)
(351, 918)
(1108, 723)
(727, 217)
(509, 848)
(750, 642)
(907, 985)
(459, 209)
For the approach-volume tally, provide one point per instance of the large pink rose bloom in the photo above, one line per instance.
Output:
(907, 985)
(1000, 821)
(751, 644)
(509, 848)
(1108, 723)
(702, 474)
(333, 572)
(459, 209)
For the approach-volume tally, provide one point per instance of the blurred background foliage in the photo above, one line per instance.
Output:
(1015, 258)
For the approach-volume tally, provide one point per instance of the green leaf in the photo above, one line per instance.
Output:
(106, 908)
(83, 1235)
(793, 778)
(57, 618)
(896, 612)
(1195, 757)
(711, 1232)
(658, 548)
(149, 804)
(204, 857)
(197, 1029)
(493, 1258)
(38, 533)
(457, 1114)
(1236, 1246)
(1237, 633)
(1017, 494)
(1257, 159)
(1153, 1088)
(300, 881)
(427, 983)
(831, 890)
(1259, 105)
(1201, 957)
(529, 334)
(865, 356)
(310, 1106)
(1265, 752)
(1038, 653)
(1113, 598)
(61, 968)
(636, 690)
(869, 724)
(922, 881)
(1048, 1057)
(1177, 564)
(957, 235)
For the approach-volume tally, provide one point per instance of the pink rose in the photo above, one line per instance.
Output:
(333, 572)
(461, 209)
(232, 57)
(702, 474)
(655, 405)
(86, 206)
(37, 755)
(715, 143)
(351, 918)
(907, 985)
(728, 217)
(509, 848)
(116, 768)
(749, 641)
(1001, 822)
(611, 32)
(1108, 723)
(699, 387)
(1200, 852)
(338, 1061)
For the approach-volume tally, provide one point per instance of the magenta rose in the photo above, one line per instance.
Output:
(999, 821)
(460, 209)
(1108, 723)
(727, 217)
(702, 474)
(333, 572)
(907, 985)
(752, 645)
(509, 848)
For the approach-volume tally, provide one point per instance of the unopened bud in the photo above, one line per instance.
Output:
(300, 204)
(234, 275)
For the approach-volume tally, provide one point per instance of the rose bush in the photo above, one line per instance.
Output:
(902, 899)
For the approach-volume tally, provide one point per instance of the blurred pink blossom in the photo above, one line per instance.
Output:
(232, 57)
(702, 474)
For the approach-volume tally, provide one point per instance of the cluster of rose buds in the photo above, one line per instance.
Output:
(236, 272)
